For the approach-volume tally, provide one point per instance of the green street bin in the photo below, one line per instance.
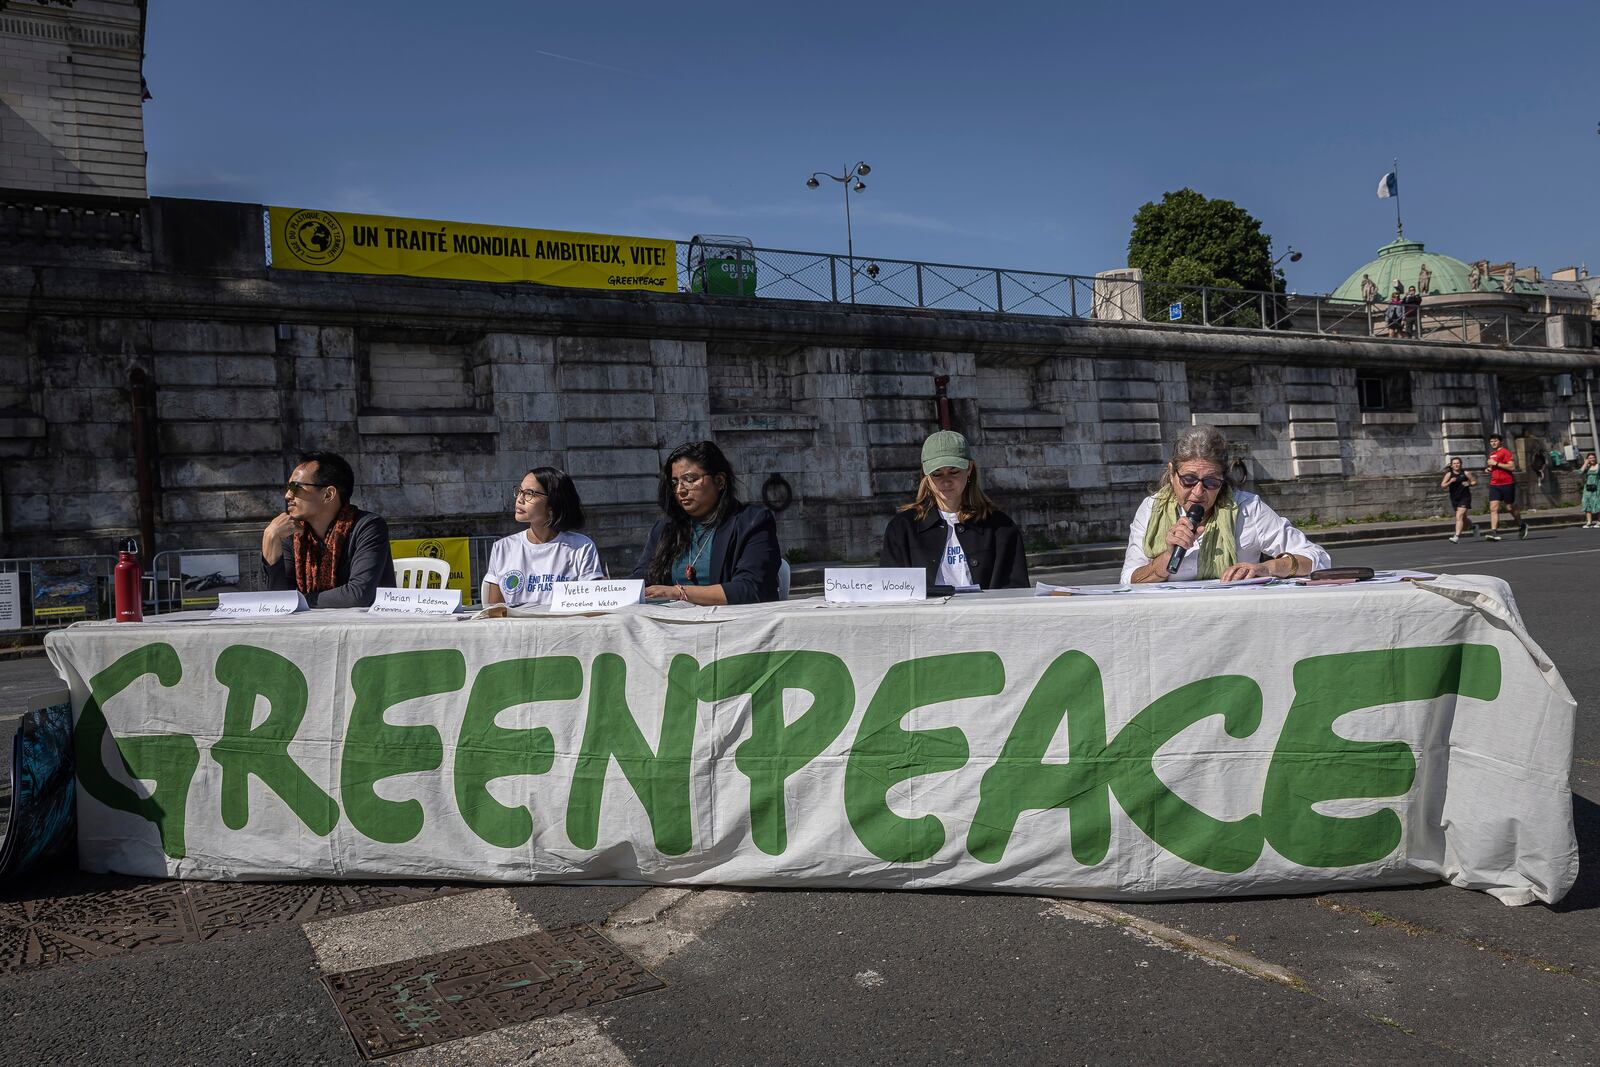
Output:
(724, 276)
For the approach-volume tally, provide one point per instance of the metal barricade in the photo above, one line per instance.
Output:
(56, 591)
(189, 579)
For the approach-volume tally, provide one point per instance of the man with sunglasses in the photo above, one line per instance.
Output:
(324, 546)
(1238, 537)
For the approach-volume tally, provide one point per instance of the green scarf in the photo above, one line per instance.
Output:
(1218, 549)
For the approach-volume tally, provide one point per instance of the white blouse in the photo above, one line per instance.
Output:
(1262, 534)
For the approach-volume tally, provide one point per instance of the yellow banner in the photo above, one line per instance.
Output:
(453, 550)
(336, 241)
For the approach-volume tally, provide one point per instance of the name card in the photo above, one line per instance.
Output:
(259, 605)
(391, 601)
(874, 585)
(596, 595)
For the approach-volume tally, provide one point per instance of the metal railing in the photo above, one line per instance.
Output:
(782, 274)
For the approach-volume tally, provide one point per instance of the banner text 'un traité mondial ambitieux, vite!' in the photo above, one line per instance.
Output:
(346, 243)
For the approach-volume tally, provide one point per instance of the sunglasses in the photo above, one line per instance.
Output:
(300, 487)
(1211, 482)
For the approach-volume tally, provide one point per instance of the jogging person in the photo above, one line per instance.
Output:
(1459, 481)
(1502, 489)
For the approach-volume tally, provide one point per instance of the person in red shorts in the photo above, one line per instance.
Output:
(1502, 489)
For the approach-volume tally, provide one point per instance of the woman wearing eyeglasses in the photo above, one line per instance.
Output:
(1239, 536)
(524, 567)
(708, 548)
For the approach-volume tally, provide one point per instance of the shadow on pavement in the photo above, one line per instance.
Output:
(1585, 893)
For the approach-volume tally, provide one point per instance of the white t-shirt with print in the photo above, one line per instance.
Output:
(527, 573)
(953, 569)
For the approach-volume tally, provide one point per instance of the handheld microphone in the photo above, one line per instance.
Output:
(1194, 515)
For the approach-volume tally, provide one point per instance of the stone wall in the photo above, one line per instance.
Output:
(71, 111)
(442, 394)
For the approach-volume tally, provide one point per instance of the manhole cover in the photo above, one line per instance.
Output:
(92, 918)
(406, 1005)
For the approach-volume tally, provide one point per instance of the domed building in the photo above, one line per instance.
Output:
(1443, 281)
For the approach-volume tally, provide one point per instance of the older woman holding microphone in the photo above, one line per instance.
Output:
(1224, 533)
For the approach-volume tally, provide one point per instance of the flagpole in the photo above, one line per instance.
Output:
(1399, 230)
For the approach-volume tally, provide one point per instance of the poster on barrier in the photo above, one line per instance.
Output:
(65, 590)
(456, 551)
(204, 575)
(10, 602)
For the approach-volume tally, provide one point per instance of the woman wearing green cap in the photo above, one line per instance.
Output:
(951, 529)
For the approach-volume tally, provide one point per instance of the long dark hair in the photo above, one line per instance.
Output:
(679, 534)
(561, 497)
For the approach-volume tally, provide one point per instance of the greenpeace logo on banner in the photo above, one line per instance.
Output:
(382, 767)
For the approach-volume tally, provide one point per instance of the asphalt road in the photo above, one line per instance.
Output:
(1429, 974)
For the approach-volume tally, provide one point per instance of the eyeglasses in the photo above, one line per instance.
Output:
(525, 495)
(299, 487)
(687, 481)
(1211, 482)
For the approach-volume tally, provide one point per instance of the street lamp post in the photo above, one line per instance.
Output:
(851, 180)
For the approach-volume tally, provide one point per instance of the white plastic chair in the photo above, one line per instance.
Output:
(412, 572)
(783, 579)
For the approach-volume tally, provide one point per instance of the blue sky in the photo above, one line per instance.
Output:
(1021, 136)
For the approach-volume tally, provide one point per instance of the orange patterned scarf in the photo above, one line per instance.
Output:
(316, 562)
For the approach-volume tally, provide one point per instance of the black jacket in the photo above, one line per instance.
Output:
(362, 568)
(993, 546)
(744, 555)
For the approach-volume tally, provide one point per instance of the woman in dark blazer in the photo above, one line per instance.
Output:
(951, 529)
(709, 548)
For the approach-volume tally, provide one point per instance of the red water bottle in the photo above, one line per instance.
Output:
(127, 583)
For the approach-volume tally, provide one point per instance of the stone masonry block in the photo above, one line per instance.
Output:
(1126, 390)
(216, 472)
(246, 370)
(1300, 431)
(1312, 412)
(1314, 449)
(612, 461)
(1311, 468)
(608, 406)
(691, 380)
(217, 403)
(214, 338)
(636, 490)
(1131, 431)
(1129, 411)
(602, 350)
(513, 348)
(628, 434)
(1131, 453)
(185, 370)
(665, 353)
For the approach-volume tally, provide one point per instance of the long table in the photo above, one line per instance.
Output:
(1169, 745)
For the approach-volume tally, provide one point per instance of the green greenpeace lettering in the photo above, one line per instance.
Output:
(775, 751)
(251, 673)
(375, 749)
(660, 779)
(885, 755)
(1313, 764)
(1166, 818)
(485, 751)
(168, 760)
(1021, 781)
(1070, 687)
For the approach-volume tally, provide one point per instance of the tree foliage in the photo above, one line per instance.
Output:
(1189, 239)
